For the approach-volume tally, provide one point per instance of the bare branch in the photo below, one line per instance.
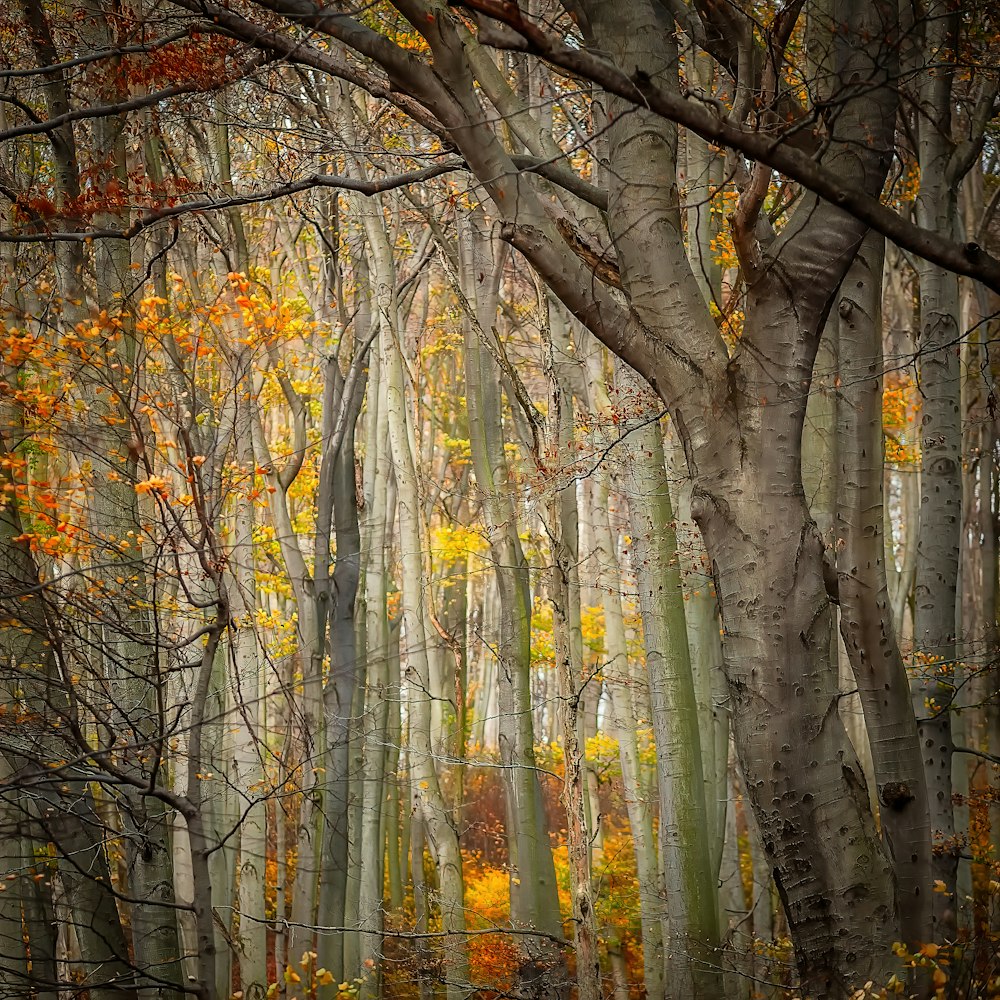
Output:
(993, 758)
(247, 198)
(126, 50)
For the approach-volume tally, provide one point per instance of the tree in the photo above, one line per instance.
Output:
(617, 218)
(753, 533)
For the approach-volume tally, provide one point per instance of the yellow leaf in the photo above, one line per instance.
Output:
(324, 977)
(291, 976)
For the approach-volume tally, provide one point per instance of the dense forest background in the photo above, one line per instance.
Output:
(499, 499)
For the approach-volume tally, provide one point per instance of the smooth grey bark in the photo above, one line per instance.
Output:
(534, 903)
(245, 707)
(690, 880)
(562, 527)
(701, 615)
(865, 614)
(903, 548)
(212, 864)
(624, 708)
(594, 689)
(213, 848)
(936, 583)
(395, 816)
(336, 594)
(340, 629)
(378, 827)
(735, 919)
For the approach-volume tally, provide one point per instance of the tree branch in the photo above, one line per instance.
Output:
(300, 51)
(127, 50)
(993, 758)
(368, 188)
(968, 259)
(553, 172)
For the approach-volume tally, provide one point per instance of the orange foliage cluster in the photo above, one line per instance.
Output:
(41, 383)
(899, 413)
(493, 958)
(32, 383)
(201, 60)
(38, 207)
(985, 870)
(903, 186)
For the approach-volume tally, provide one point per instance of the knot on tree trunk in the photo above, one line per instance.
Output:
(895, 794)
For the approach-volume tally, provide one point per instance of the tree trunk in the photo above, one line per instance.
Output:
(441, 834)
(622, 723)
(534, 903)
(866, 620)
(936, 583)
(245, 702)
(376, 827)
(689, 881)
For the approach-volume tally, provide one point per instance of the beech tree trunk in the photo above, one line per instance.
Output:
(865, 613)
(936, 583)
(690, 881)
(426, 788)
(534, 903)
(624, 708)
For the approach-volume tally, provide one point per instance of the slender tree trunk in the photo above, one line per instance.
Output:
(338, 503)
(533, 886)
(245, 708)
(701, 614)
(865, 615)
(936, 582)
(376, 826)
(564, 594)
(622, 722)
(441, 834)
(689, 882)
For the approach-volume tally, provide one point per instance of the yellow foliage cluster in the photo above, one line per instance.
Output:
(279, 629)
(592, 625)
(543, 651)
(452, 543)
